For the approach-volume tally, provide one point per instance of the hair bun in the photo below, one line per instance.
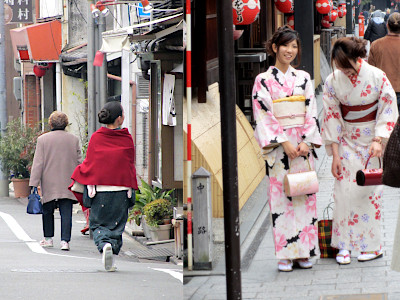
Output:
(104, 116)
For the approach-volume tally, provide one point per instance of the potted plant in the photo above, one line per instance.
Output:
(156, 212)
(17, 148)
(145, 195)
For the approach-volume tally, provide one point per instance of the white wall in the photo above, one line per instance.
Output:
(51, 8)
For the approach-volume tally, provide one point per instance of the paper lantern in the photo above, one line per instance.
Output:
(342, 10)
(38, 71)
(323, 6)
(290, 21)
(245, 12)
(333, 14)
(285, 6)
(325, 22)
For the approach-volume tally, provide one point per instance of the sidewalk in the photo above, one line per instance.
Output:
(262, 280)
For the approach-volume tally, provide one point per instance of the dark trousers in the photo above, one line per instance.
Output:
(65, 206)
(398, 100)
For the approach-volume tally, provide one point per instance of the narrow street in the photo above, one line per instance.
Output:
(28, 271)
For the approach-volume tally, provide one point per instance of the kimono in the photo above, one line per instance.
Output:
(357, 213)
(293, 218)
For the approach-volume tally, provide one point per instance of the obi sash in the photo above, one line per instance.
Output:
(290, 111)
(359, 113)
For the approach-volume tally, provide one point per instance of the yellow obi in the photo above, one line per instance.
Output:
(290, 111)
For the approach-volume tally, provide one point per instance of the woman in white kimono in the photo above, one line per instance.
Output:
(359, 114)
(286, 141)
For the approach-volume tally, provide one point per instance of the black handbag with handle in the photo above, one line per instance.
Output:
(391, 158)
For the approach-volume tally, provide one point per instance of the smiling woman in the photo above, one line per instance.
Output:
(285, 111)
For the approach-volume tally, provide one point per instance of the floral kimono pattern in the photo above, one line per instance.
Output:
(294, 218)
(357, 213)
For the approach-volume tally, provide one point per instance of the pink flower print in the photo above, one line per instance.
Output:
(310, 204)
(293, 132)
(308, 236)
(275, 187)
(289, 211)
(378, 215)
(386, 100)
(389, 126)
(356, 134)
(353, 219)
(256, 105)
(280, 242)
(275, 129)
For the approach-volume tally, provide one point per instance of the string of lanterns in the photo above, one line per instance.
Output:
(326, 7)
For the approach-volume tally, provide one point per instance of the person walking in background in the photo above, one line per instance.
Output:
(366, 16)
(108, 175)
(376, 27)
(385, 53)
(359, 115)
(387, 15)
(56, 156)
(286, 142)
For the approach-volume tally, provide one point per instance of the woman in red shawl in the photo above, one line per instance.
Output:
(108, 176)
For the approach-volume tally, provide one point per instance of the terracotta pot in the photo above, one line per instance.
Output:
(21, 187)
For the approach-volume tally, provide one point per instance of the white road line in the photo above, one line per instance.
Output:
(174, 274)
(23, 236)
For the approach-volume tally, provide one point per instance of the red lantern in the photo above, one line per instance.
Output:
(285, 6)
(341, 10)
(245, 12)
(333, 14)
(290, 21)
(325, 22)
(39, 72)
(323, 6)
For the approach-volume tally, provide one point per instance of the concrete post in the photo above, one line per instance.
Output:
(3, 99)
(202, 220)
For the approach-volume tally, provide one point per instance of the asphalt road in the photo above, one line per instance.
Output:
(27, 271)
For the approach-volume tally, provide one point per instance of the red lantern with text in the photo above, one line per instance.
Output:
(325, 22)
(245, 12)
(285, 6)
(290, 21)
(38, 71)
(323, 6)
(333, 15)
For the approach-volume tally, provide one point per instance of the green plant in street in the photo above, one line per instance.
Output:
(17, 148)
(156, 211)
(145, 195)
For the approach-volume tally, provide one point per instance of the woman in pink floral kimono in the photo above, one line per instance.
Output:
(287, 139)
(359, 114)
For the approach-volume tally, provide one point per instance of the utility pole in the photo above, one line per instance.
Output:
(229, 149)
(3, 98)
(103, 68)
(91, 73)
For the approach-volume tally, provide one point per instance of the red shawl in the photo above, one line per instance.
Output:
(110, 160)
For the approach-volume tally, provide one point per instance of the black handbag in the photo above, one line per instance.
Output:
(34, 207)
(391, 158)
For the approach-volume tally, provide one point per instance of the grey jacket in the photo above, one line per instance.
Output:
(56, 156)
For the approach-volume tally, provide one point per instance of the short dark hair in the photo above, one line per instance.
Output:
(58, 120)
(283, 36)
(346, 49)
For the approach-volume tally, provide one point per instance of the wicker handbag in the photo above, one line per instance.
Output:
(391, 159)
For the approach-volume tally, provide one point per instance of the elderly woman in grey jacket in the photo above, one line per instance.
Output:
(56, 156)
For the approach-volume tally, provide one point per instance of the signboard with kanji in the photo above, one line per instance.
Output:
(21, 10)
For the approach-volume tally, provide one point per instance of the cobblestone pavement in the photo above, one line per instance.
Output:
(262, 280)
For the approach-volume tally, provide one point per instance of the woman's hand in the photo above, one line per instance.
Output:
(336, 167)
(303, 149)
(290, 150)
(375, 149)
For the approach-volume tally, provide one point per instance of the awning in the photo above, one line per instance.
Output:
(38, 42)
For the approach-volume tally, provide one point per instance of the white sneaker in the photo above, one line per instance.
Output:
(343, 257)
(365, 256)
(304, 263)
(108, 258)
(46, 243)
(64, 246)
(285, 265)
